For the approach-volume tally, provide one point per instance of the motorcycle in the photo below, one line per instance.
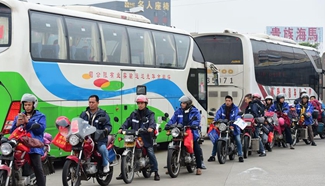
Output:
(178, 155)
(226, 145)
(15, 163)
(85, 162)
(318, 127)
(271, 119)
(248, 133)
(135, 157)
(279, 134)
(294, 130)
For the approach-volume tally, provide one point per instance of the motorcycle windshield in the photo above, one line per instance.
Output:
(81, 127)
(275, 119)
(248, 116)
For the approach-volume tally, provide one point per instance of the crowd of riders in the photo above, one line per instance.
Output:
(303, 108)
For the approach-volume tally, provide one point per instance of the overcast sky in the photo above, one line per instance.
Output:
(245, 16)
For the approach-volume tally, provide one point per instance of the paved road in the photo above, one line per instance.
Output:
(303, 166)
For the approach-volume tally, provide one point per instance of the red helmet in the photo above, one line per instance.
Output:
(257, 95)
(281, 121)
(142, 98)
(62, 121)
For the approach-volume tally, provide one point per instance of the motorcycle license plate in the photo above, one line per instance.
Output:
(129, 144)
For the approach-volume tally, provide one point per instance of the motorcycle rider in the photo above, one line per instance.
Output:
(254, 109)
(317, 106)
(29, 117)
(304, 110)
(298, 100)
(268, 102)
(135, 122)
(229, 111)
(184, 116)
(283, 107)
(92, 114)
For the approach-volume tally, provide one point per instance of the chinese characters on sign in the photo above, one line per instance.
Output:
(298, 34)
(128, 75)
(291, 93)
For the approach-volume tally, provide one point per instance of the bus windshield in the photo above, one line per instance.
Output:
(216, 49)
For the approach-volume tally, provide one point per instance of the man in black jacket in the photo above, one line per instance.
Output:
(92, 114)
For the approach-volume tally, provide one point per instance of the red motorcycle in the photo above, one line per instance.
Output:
(85, 162)
(248, 133)
(279, 135)
(15, 164)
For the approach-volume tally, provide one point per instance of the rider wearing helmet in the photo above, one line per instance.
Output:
(136, 121)
(27, 118)
(298, 100)
(268, 102)
(92, 115)
(282, 109)
(229, 111)
(189, 115)
(304, 110)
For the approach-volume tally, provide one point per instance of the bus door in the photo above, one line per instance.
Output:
(128, 94)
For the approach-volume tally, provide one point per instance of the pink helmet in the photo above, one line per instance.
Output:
(281, 121)
(142, 98)
(257, 95)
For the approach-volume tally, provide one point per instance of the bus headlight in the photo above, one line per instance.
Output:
(6, 149)
(175, 132)
(222, 127)
(74, 140)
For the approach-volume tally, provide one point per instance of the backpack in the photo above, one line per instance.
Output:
(261, 108)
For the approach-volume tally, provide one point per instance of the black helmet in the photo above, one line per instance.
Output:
(280, 96)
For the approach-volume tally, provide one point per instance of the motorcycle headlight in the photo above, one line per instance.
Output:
(74, 140)
(175, 132)
(269, 120)
(6, 149)
(222, 127)
(128, 138)
(248, 124)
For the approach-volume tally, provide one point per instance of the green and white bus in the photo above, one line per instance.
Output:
(65, 54)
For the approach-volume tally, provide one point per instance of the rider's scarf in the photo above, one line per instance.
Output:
(303, 110)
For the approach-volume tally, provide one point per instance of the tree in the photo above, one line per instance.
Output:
(315, 45)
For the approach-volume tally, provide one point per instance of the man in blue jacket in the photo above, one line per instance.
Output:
(92, 114)
(229, 111)
(282, 108)
(190, 116)
(304, 110)
(253, 108)
(29, 117)
(135, 122)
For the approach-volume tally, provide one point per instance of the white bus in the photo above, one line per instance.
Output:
(243, 63)
(65, 54)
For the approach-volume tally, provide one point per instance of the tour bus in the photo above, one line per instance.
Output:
(64, 54)
(257, 63)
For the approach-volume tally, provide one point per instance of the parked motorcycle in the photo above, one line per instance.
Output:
(318, 127)
(135, 157)
(226, 145)
(178, 156)
(85, 162)
(15, 163)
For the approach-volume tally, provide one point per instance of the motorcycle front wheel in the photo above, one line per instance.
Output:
(3, 178)
(126, 168)
(221, 152)
(69, 174)
(245, 146)
(294, 137)
(104, 180)
(172, 165)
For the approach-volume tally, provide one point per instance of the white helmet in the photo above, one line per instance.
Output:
(269, 97)
(29, 98)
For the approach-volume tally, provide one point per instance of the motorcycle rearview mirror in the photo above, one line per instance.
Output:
(166, 115)
(211, 114)
(102, 120)
(4, 139)
(116, 119)
(240, 113)
(35, 126)
(164, 118)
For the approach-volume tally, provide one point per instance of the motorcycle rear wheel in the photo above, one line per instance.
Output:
(294, 137)
(107, 180)
(126, 170)
(221, 152)
(68, 165)
(173, 166)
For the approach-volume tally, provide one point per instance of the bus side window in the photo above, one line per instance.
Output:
(165, 49)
